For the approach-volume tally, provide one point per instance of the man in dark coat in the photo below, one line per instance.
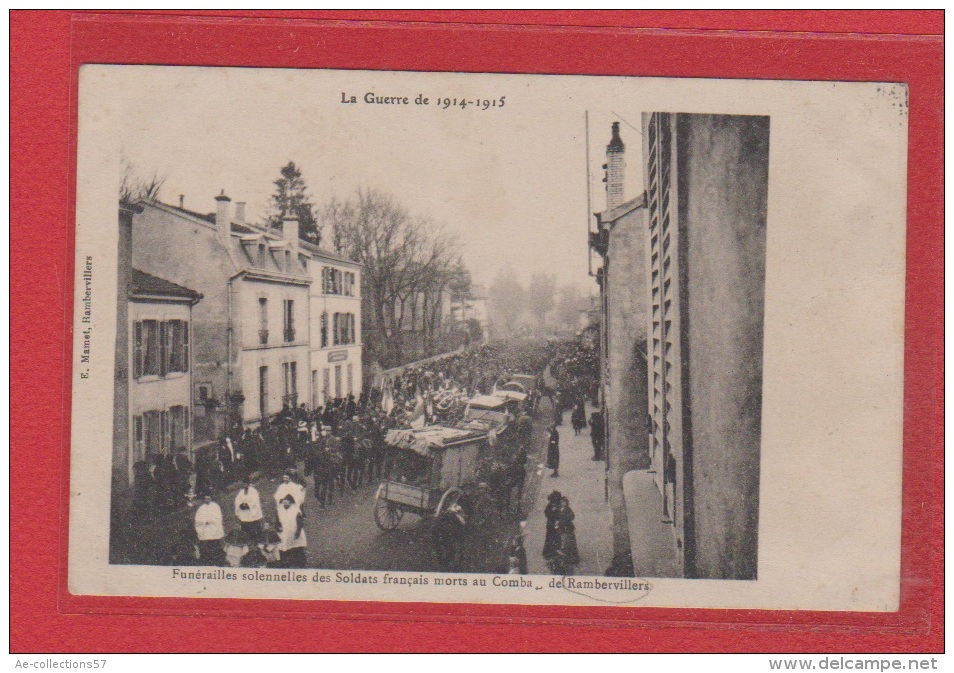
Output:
(553, 451)
(524, 431)
(597, 435)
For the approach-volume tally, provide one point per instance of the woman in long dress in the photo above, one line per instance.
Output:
(291, 528)
(567, 531)
(551, 543)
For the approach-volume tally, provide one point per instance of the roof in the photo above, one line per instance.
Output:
(241, 247)
(311, 247)
(425, 441)
(145, 284)
(610, 216)
(208, 217)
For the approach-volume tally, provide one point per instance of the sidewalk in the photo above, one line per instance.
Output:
(582, 480)
(652, 541)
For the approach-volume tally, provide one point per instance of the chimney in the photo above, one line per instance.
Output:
(615, 167)
(182, 200)
(222, 221)
(290, 228)
(240, 211)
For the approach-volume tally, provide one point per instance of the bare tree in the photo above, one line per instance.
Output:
(134, 185)
(569, 302)
(506, 301)
(540, 299)
(407, 264)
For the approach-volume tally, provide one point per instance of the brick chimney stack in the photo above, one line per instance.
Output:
(615, 170)
(222, 220)
(240, 211)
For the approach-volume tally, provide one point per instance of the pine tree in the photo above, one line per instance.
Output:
(291, 197)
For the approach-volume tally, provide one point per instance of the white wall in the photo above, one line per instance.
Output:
(157, 393)
(276, 351)
(330, 357)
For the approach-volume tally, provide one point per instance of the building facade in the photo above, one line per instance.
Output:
(160, 369)
(153, 365)
(707, 191)
(619, 239)
(334, 298)
(254, 335)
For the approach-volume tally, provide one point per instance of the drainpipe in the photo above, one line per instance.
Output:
(191, 439)
(228, 357)
(604, 368)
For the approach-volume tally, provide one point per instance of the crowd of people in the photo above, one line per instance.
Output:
(445, 384)
(338, 445)
(341, 445)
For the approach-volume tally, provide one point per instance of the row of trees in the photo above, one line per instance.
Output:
(542, 306)
(410, 268)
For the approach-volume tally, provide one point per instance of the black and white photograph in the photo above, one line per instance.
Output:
(487, 338)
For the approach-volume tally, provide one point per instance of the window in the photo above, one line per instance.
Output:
(146, 349)
(160, 347)
(261, 255)
(303, 261)
(263, 392)
(332, 280)
(151, 434)
(288, 312)
(289, 384)
(326, 384)
(324, 329)
(349, 284)
(165, 445)
(288, 266)
(262, 320)
(344, 329)
(337, 380)
(139, 440)
(350, 379)
(178, 427)
(314, 388)
(175, 346)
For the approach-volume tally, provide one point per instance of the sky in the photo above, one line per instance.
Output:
(510, 182)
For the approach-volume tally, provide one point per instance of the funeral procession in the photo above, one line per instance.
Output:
(359, 374)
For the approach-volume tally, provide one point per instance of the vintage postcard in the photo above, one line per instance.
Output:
(446, 337)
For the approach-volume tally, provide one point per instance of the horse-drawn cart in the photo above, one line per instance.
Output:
(436, 467)
(431, 468)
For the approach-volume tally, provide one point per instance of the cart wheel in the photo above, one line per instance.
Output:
(449, 498)
(387, 515)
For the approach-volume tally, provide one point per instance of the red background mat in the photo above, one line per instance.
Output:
(46, 51)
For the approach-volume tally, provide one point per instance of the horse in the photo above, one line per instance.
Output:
(504, 481)
(327, 468)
